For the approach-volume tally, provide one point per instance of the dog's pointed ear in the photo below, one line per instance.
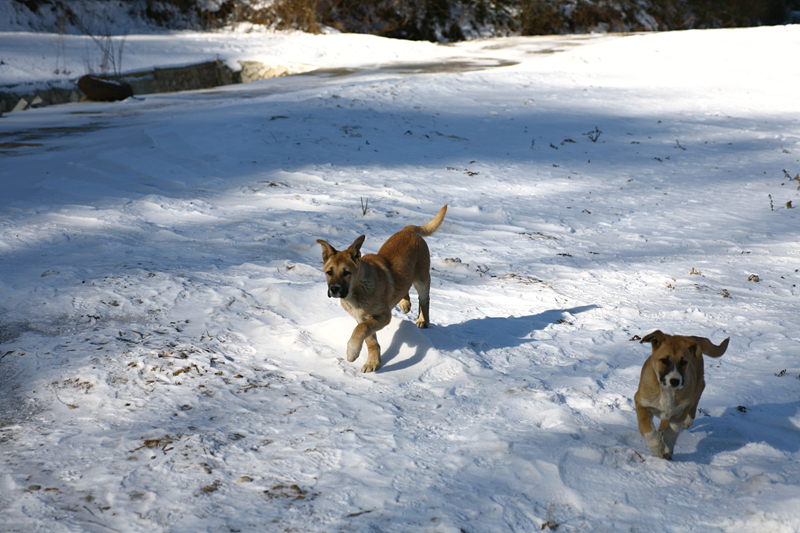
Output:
(355, 249)
(327, 250)
(696, 350)
(656, 338)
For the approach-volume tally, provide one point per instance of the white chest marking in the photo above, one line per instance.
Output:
(665, 405)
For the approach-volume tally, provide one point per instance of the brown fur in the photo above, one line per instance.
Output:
(670, 387)
(370, 286)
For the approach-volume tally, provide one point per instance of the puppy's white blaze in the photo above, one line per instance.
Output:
(672, 374)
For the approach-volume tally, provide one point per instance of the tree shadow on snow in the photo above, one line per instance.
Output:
(773, 424)
(478, 334)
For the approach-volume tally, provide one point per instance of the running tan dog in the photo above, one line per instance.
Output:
(370, 286)
(670, 387)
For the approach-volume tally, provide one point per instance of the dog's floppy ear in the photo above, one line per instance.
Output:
(656, 338)
(327, 250)
(355, 248)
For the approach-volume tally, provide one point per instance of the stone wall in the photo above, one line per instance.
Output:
(161, 80)
(167, 80)
(20, 97)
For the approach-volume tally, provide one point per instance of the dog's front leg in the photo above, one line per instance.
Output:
(669, 430)
(357, 341)
(652, 437)
(656, 444)
(691, 412)
(374, 355)
(365, 331)
(354, 347)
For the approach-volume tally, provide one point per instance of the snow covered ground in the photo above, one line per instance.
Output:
(169, 360)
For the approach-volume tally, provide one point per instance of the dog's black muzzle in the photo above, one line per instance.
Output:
(337, 291)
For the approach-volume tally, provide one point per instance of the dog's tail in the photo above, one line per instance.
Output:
(433, 225)
(708, 347)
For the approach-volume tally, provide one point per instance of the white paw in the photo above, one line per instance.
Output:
(421, 323)
(353, 351)
(656, 445)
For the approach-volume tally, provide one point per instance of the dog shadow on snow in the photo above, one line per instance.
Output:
(478, 334)
(773, 424)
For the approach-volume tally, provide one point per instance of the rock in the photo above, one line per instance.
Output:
(255, 70)
(103, 90)
(21, 105)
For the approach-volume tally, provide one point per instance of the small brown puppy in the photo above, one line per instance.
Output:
(670, 387)
(370, 286)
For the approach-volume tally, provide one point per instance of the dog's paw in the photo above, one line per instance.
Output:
(421, 323)
(656, 444)
(663, 452)
(370, 366)
(353, 351)
(405, 305)
(688, 422)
